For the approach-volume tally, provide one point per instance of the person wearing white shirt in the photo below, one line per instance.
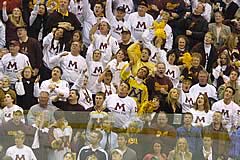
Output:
(72, 63)
(116, 65)
(186, 97)
(203, 87)
(13, 63)
(228, 108)
(115, 21)
(122, 107)
(139, 21)
(202, 115)
(2, 33)
(56, 86)
(20, 151)
(10, 108)
(103, 41)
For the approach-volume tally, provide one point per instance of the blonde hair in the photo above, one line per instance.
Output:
(19, 23)
(169, 98)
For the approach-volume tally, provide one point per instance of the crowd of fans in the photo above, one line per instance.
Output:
(120, 80)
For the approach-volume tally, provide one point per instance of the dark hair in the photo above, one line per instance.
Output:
(173, 51)
(76, 92)
(61, 71)
(148, 50)
(188, 113)
(206, 102)
(183, 37)
(61, 44)
(100, 93)
(125, 82)
(235, 70)
(231, 89)
(146, 69)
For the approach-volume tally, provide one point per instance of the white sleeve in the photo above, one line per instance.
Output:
(36, 90)
(169, 39)
(109, 13)
(47, 40)
(216, 72)
(87, 12)
(3, 36)
(55, 59)
(19, 88)
(4, 15)
(34, 14)
(127, 23)
(115, 46)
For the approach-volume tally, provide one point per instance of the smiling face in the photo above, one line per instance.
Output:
(97, 55)
(181, 43)
(27, 73)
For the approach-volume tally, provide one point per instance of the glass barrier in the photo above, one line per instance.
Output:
(94, 135)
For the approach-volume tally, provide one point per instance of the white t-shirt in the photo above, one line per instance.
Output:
(24, 153)
(8, 113)
(201, 117)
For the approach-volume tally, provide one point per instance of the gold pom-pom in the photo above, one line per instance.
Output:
(186, 59)
(159, 29)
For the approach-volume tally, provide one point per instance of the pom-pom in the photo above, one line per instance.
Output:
(159, 29)
(186, 59)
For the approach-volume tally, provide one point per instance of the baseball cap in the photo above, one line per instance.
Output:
(121, 8)
(143, 3)
(14, 43)
(17, 110)
(125, 30)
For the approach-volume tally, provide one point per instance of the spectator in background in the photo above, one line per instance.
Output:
(164, 131)
(12, 21)
(93, 148)
(37, 21)
(203, 87)
(122, 107)
(221, 72)
(10, 107)
(31, 48)
(128, 153)
(26, 88)
(58, 88)
(20, 150)
(228, 108)
(219, 30)
(194, 69)
(181, 151)
(190, 133)
(53, 44)
(6, 90)
(63, 18)
(71, 63)
(139, 21)
(60, 136)
(194, 26)
(14, 62)
(233, 77)
(221, 141)
(157, 152)
(159, 84)
(202, 115)
(42, 106)
(207, 51)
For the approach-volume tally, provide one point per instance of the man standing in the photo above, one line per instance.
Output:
(72, 63)
(44, 107)
(228, 108)
(128, 153)
(159, 84)
(14, 62)
(63, 18)
(20, 151)
(93, 149)
(191, 133)
(31, 48)
(122, 107)
(139, 21)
